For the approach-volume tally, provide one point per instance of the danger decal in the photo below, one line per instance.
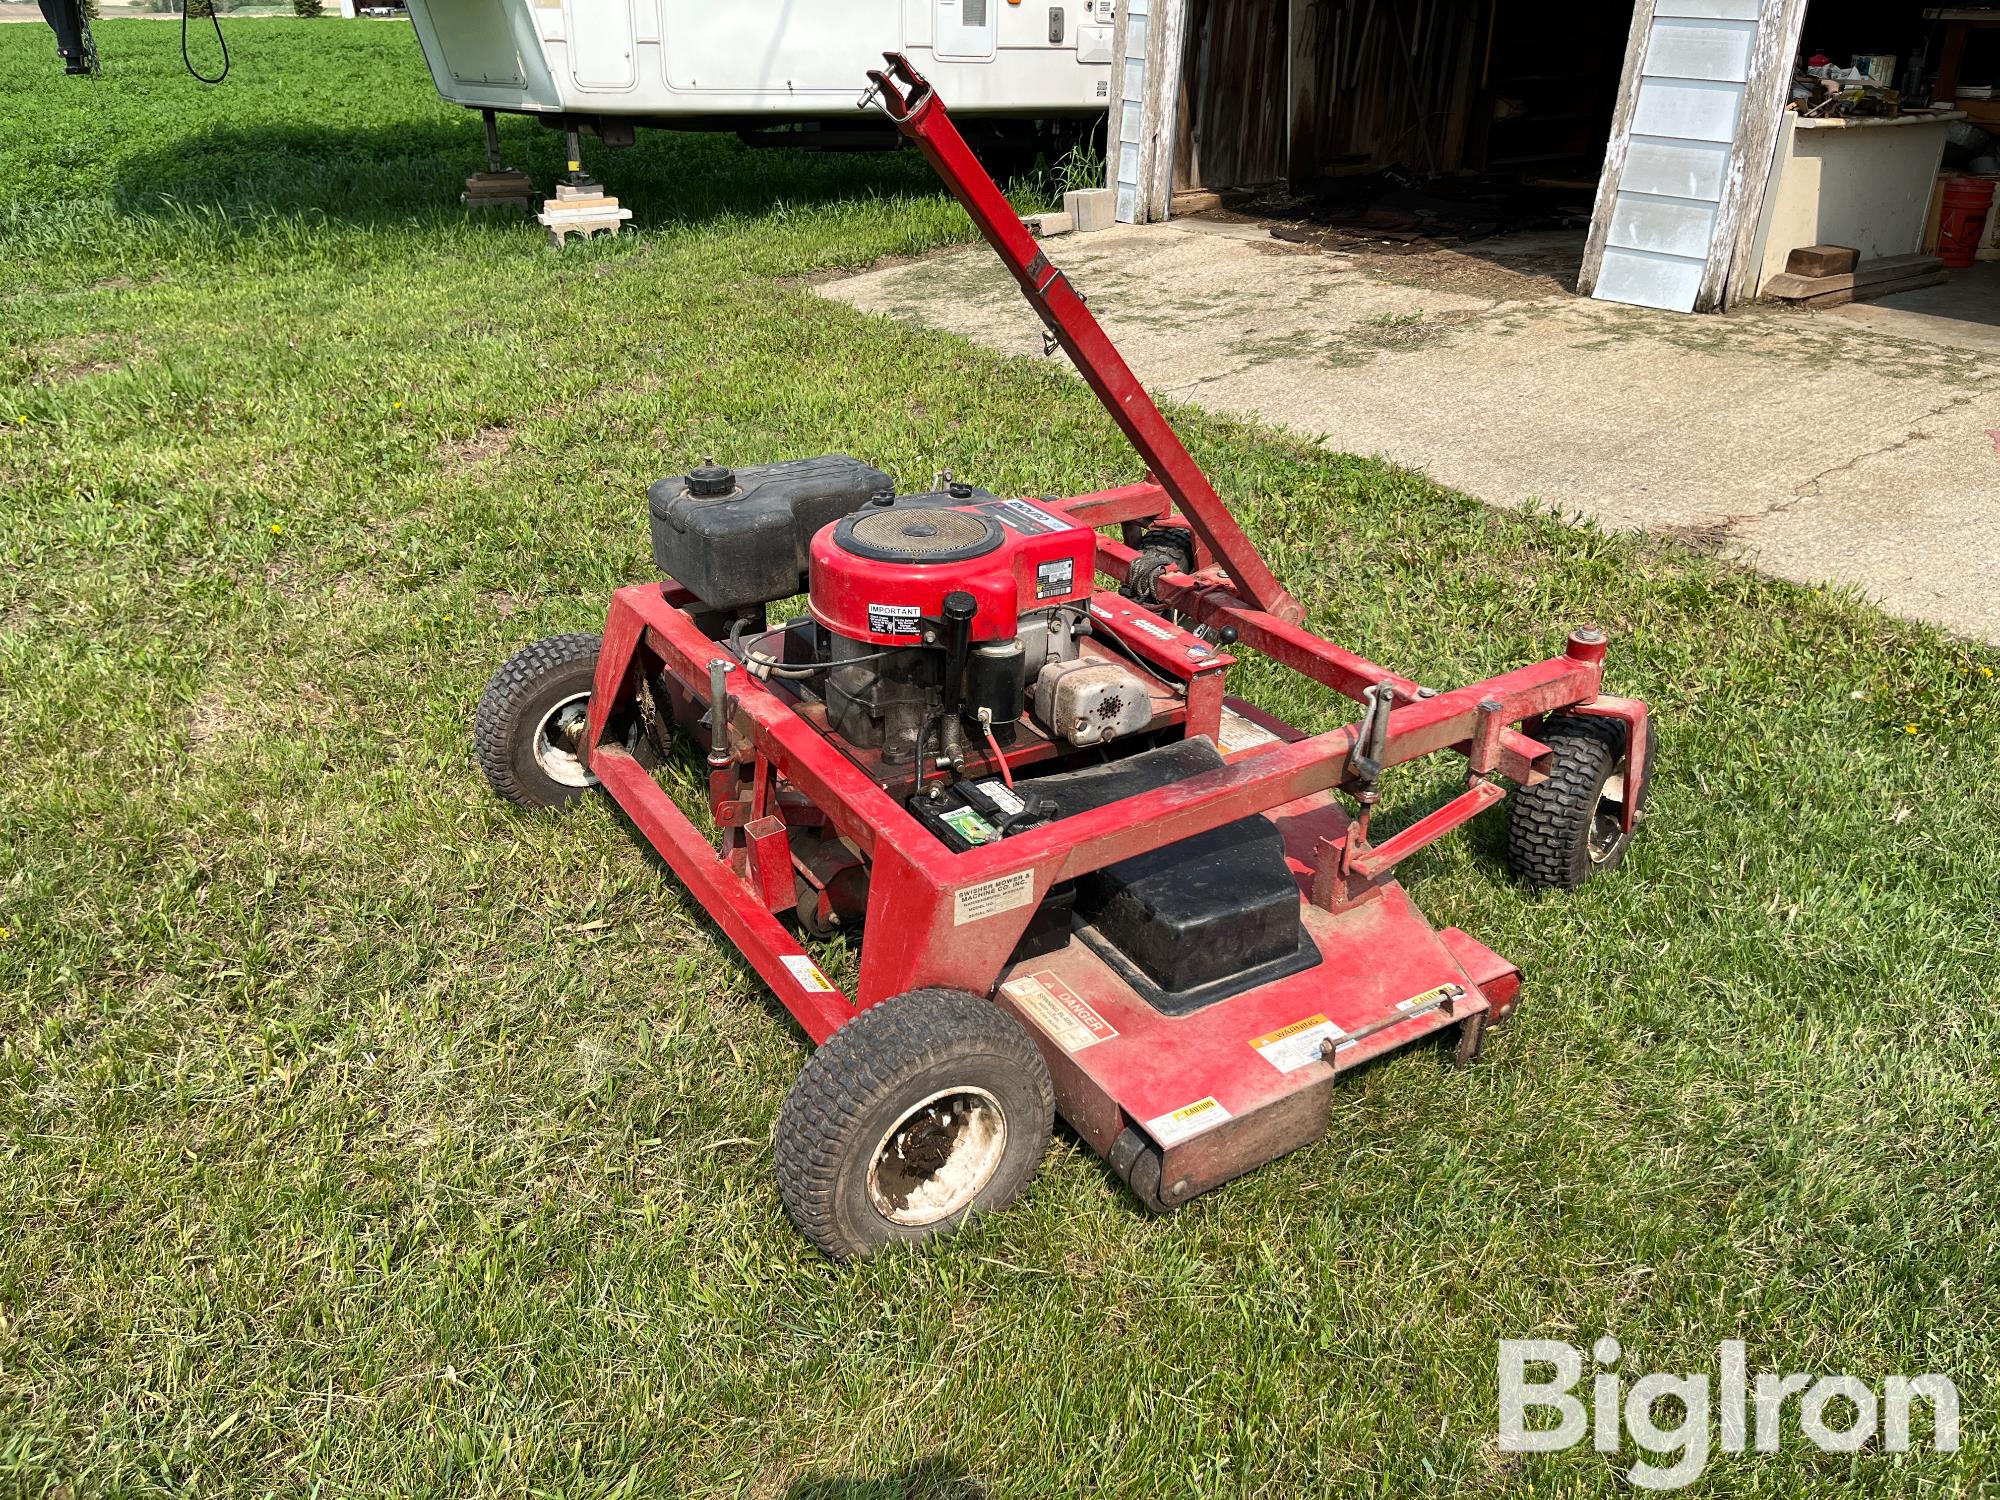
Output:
(1059, 1011)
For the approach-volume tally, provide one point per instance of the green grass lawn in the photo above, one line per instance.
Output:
(360, 1135)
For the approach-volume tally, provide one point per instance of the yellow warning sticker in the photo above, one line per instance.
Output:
(1290, 1048)
(1190, 1119)
(807, 973)
(1430, 998)
(1060, 1012)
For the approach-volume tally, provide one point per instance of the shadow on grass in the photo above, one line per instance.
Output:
(389, 175)
(933, 1478)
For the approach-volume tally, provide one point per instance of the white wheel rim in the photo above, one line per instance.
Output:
(1607, 830)
(558, 764)
(938, 1157)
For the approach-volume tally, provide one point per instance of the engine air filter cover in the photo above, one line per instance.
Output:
(880, 574)
(918, 535)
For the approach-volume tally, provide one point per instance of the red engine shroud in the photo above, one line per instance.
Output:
(1045, 558)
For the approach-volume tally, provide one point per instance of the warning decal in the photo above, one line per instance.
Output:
(1052, 1005)
(1056, 578)
(1239, 733)
(895, 619)
(807, 973)
(1290, 1048)
(1190, 1119)
(991, 897)
(1002, 796)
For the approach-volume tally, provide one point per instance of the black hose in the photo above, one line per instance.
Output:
(188, 62)
(793, 670)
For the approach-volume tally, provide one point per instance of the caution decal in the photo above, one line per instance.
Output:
(807, 973)
(1177, 1125)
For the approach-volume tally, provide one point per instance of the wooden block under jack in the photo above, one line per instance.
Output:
(581, 216)
(508, 189)
(1822, 260)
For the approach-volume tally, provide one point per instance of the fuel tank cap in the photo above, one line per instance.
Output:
(711, 481)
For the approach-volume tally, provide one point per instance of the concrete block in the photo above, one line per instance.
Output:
(1042, 226)
(1091, 208)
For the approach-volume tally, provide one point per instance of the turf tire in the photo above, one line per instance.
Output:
(1549, 826)
(530, 683)
(868, 1076)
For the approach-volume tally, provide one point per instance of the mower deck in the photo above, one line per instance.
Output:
(1247, 1079)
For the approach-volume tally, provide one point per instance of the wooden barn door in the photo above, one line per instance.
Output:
(1233, 94)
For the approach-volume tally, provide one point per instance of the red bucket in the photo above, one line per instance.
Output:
(1967, 201)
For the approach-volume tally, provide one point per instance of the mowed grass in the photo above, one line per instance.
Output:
(360, 1135)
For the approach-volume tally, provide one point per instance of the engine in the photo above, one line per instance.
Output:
(951, 631)
(934, 620)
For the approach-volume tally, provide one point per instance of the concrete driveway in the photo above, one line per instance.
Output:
(1821, 448)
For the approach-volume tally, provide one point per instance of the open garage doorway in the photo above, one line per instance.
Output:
(1387, 129)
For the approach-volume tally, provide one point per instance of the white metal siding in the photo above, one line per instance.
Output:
(1683, 128)
(601, 44)
(822, 50)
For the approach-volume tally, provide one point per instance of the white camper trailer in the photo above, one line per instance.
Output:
(749, 65)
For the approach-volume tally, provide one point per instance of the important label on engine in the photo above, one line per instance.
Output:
(895, 619)
(1290, 1048)
(974, 903)
(1060, 1012)
(807, 973)
(1190, 1119)
(1055, 579)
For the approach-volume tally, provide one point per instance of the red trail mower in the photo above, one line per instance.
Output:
(1087, 879)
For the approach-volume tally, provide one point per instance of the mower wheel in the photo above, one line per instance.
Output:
(1566, 830)
(1140, 1165)
(530, 718)
(920, 1112)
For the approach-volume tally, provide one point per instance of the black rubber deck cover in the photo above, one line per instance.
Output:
(1198, 920)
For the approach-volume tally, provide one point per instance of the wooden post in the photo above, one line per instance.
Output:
(1729, 278)
(1160, 111)
(1616, 148)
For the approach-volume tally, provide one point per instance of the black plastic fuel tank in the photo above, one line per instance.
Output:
(738, 537)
